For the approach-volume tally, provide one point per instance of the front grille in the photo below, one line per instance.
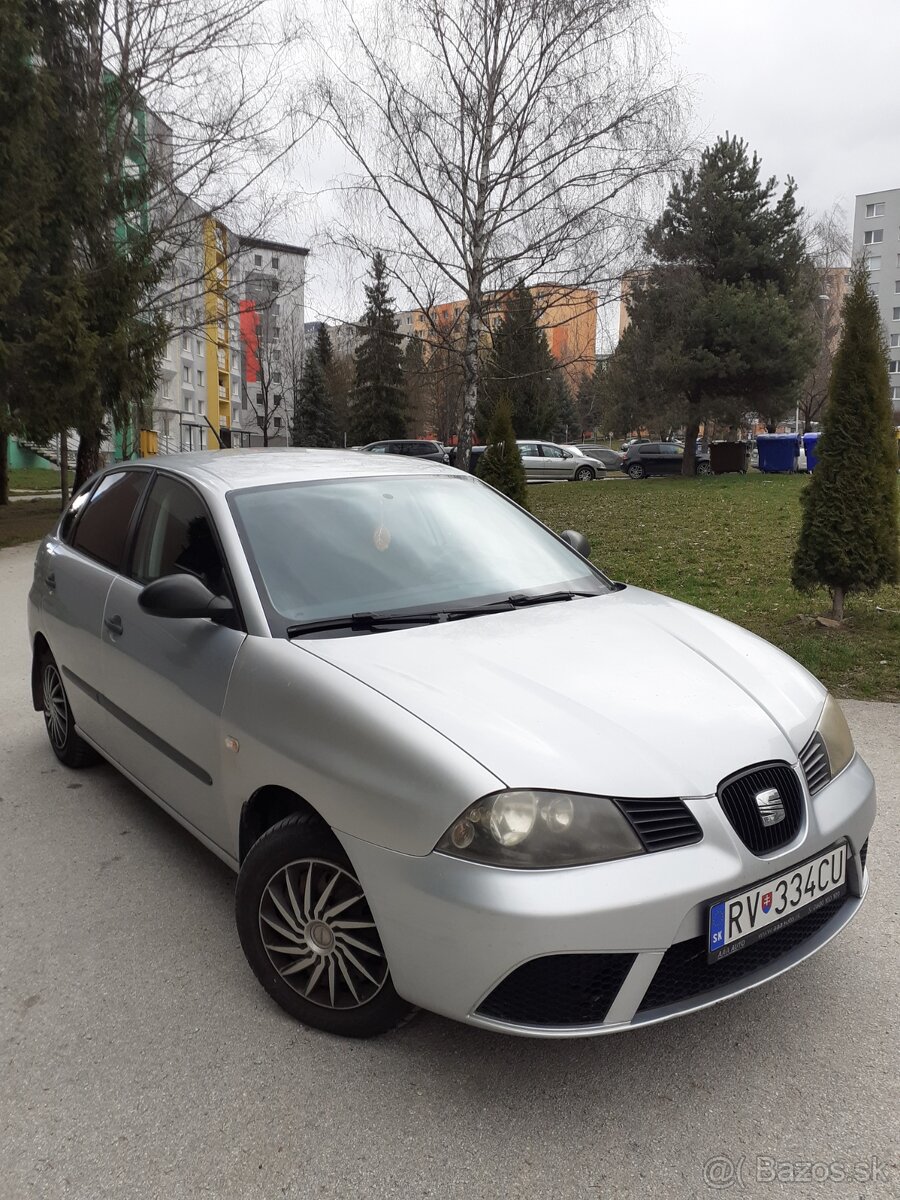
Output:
(815, 765)
(559, 989)
(661, 824)
(684, 973)
(737, 796)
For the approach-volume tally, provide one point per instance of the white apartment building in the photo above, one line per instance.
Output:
(876, 236)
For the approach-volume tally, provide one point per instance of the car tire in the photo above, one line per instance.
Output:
(69, 748)
(703, 468)
(584, 474)
(292, 879)
(636, 471)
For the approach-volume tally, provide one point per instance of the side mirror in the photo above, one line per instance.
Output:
(568, 454)
(577, 541)
(182, 596)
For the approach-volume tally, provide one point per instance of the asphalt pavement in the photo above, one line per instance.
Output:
(139, 1057)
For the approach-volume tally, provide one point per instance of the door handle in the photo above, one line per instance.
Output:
(50, 581)
(114, 625)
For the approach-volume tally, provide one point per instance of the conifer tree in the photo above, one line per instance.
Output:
(848, 536)
(314, 423)
(379, 398)
(501, 463)
(521, 368)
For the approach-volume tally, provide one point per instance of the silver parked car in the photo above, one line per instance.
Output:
(545, 461)
(259, 640)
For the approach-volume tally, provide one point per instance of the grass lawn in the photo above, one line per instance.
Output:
(32, 479)
(26, 520)
(725, 544)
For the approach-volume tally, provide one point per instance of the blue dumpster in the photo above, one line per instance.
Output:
(809, 445)
(778, 452)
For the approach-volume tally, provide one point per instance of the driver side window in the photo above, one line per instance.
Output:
(175, 537)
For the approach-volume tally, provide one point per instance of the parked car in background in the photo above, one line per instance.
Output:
(545, 461)
(611, 459)
(414, 447)
(255, 639)
(660, 458)
(635, 441)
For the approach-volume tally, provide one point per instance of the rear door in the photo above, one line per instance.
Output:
(671, 458)
(166, 679)
(651, 458)
(532, 461)
(77, 572)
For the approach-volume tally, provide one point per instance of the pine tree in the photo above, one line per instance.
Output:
(379, 398)
(324, 346)
(501, 463)
(314, 423)
(521, 368)
(849, 534)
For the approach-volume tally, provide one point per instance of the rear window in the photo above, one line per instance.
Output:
(103, 529)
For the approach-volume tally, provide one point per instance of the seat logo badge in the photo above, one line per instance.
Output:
(770, 806)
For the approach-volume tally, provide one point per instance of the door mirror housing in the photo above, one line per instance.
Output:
(577, 541)
(178, 596)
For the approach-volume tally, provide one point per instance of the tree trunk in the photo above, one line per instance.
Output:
(64, 467)
(688, 465)
(89, 458)
(837, 604)
(4, 466)
(470, 390)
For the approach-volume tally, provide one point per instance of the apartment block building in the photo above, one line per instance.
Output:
(876, 237)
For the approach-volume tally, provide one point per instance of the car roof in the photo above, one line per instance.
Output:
(251, 467)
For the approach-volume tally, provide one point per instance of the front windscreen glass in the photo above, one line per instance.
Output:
(339, 547)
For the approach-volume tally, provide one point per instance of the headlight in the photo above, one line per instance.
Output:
(541, 830)
(835, 733)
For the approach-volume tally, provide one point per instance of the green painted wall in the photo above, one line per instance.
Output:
(20, 458)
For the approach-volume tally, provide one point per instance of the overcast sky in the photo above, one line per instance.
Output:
(811, 85)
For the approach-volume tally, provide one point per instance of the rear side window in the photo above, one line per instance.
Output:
(175, 537)
(70, 516)
(103, 529)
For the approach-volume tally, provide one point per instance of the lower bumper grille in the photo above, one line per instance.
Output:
(559, 989)
(685, 974)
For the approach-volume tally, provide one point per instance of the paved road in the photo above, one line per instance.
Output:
(139, 1058)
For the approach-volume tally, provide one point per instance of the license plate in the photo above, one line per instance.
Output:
(739, 920)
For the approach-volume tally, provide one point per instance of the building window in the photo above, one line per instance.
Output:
(257, 260)
(167, 390)
(873, 236)
(186, 343)
(873, 289)
(895, 316)
(895, 340)
(200, 379)
(873, 262)
(895, 393)
(894, 367)
(876, 209)
(187, 403)
(275, 262)
(186, 374)
(278, 424)
(276, 377)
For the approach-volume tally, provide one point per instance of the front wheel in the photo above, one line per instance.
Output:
(703, 468)
(309, 935)
(636, 471)
(584, 474)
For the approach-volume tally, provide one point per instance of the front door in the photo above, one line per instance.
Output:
(556, 465)
(165, 679)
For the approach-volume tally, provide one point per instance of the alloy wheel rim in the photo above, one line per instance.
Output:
(56, 709)
(319, 935)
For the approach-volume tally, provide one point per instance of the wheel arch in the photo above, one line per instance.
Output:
(266, 807)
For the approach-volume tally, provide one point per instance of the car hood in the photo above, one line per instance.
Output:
(628, 694)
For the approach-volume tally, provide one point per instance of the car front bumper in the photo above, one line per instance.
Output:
(453, 930)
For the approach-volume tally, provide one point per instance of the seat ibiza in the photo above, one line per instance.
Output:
(370, 687)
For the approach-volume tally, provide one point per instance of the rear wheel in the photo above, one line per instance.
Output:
(309, 935)
(584, 474)
(69, 748)
(636, 471)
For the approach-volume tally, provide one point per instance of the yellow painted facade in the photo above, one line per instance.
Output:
(215, 299)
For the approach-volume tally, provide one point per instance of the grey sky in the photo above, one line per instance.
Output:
(810, 84)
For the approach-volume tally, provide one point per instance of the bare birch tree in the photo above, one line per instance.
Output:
(501, 140)
(830, 247)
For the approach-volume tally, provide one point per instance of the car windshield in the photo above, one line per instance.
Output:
(337, 547)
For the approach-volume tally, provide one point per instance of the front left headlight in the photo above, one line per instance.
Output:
(541, 830)
(835, 733)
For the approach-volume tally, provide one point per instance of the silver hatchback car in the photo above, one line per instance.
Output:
(342, 674)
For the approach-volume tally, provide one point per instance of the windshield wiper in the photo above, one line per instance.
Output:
(360, 622)
(524, 601)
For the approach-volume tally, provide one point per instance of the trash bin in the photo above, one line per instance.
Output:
(778, 452)
(728, 456)
(809, 445)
